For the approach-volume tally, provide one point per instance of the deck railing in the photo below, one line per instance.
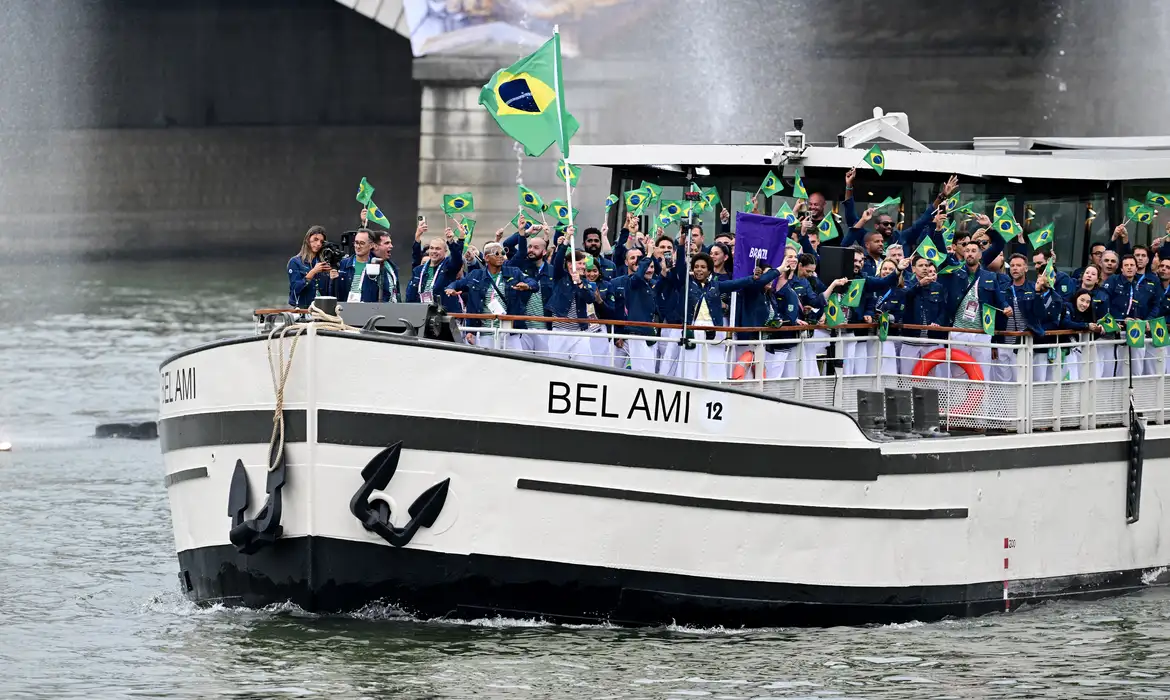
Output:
(1065, 380)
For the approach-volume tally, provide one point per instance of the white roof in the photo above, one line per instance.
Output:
(1087, 159)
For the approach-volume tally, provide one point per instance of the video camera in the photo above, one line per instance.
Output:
(331, 254)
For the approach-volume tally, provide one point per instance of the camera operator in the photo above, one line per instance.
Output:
(311, 272)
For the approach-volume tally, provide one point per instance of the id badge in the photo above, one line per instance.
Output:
(971, 311)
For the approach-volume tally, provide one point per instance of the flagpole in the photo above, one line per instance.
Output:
(564, 143)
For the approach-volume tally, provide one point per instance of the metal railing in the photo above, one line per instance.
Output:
(1065, 380)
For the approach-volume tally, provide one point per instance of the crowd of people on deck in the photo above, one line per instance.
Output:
(643, 278)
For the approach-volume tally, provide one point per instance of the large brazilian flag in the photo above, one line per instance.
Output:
(522, 98)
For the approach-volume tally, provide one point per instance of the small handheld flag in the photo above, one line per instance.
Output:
(516, 221)
(365, 192)
(989, 319)
(461, 203)
(560, 210)
(468, 226)
(610, 201)
(670, 208)
(711, 196)
(1157, 200)
(653, 192)
(1002, 209)
(568, 173)
(833, 314)
(798, 190)
(1050, 273)
(786, 213)
(530, 200)
(636, 201)
(928, 250)
(883, 326)
(853, 295)
(1135, 333)
(876, 159)
(1139, 212)
(889, 202)
(1159, 333)
(828, 228)
(1109, 324)
(1007, 227)
(953, 201)
(771, 185)
(1041, 237)
(373, 213)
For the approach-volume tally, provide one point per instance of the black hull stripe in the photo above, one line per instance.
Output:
(630, 450)
(741, 506)
(328, 575)
(184, 475)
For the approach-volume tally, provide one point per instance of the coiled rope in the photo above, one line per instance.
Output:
(280, 367)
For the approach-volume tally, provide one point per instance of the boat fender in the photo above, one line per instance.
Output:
(375, 517)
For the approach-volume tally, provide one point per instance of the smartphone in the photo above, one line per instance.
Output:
(422, 219)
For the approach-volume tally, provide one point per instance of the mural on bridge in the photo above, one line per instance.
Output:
(447, 25)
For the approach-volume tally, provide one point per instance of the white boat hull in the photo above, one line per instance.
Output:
(580, 493)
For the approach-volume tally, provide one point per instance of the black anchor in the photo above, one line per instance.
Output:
(250, 536)
(376, 518)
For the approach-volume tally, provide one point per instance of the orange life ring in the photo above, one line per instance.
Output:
(741, 365)
(969, 366)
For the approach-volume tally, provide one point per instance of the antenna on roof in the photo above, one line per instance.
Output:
(893, 127)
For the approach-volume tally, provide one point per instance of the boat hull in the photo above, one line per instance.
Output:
(582, 494)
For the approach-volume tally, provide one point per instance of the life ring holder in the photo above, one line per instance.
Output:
(965, 362)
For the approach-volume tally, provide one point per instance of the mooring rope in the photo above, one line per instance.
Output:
(280, 367)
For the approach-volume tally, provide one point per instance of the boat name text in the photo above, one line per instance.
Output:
(178, 385)
(595, 400)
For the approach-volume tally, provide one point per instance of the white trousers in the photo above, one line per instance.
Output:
(668, 350)
(981, 355)
(910, 354)
(534, 343)
(702, 361)
(1003, 367)
(568, 347)
(643, 356)
(781, 364)
(889, 356)
(816, 345)
(601, 350)
(853, 354)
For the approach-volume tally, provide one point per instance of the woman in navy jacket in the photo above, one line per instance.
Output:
(308, 277)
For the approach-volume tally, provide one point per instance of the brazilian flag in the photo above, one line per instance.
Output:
(527, 101)
(928, 250)
(948, 234)
(1135, 333)
(1041, 237)
(1002, 209)
(1007, 227)
(953, 201)
(711, 196)
(949, 268)
(568, 173)
(1050, 272)
(1157, 200)
(771, 185)
(968, 209)
(636, 201)
(373, 213)
(1109, 324)
(876, 159)
(793, 245)
(798, 190)
(786, 213)
(461, 203)
(365, 192)
(828, 228)
(883, 326)
(468, 226)
(531, 200)
(653, 192)
(1139, 212)
(889, 202)
(610, 201)
(853, 295)
(560, 209)
(665, 219)
(670, 208)
(989, 319)
(516, 221)
(1159, 333)
(834, 316)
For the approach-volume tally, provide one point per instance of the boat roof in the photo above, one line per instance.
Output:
(1056, 159)
(1048, 158)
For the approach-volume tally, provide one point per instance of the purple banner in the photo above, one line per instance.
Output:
(758, 237)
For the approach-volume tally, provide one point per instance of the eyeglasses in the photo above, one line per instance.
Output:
(493, 251)
(983, 244)
(885, 223)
